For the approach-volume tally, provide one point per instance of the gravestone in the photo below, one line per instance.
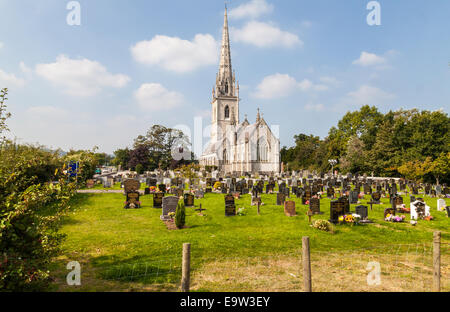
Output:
(448, 211)
(314, 205)
(306, 196)
(157, 200)
(364, 213)
(336, 210)
(230, 207)
(179, 192)
(367, 189)
(397, 202)
(90, 183)
(353, 197)
(376, 198)
(441, 204)
(281, 197)
(131, 189)
(289, 208)
(162, 188)
(199, 194)
(330, 192)
(419, 210)
(147, 191)
(188, 200)
(169, 204)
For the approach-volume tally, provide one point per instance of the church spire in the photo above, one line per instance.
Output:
(225, 78)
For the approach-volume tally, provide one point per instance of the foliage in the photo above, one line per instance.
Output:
(367, 141)
(140, 156)
(30, 209)
(121, 157)
(162, 143)
(180, 215)
(87, 160)
(139, 169)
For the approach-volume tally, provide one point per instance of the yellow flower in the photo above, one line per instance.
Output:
(341, 218)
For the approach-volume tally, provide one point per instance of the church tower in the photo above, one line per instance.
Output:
(225, 97)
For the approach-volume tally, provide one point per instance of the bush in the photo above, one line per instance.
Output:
(180, 216)
(31, 207)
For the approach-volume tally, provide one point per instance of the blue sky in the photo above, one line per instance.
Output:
(132, 64)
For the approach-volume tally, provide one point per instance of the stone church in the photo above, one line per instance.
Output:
(237, 147)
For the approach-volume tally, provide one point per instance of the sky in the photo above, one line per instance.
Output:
(132, 64)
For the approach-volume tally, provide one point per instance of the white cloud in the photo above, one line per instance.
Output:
(275, 86)
(252, 9)
(329, 80)
(10, 80)
(47, 111)
(80, 77)
(369, 59)
(280, 85)
(154, 97)
(369, 95)
(264, 35)
(1, 45)
(315, 107)
(175, 54)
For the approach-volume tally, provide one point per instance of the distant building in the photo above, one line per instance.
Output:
(237, 147)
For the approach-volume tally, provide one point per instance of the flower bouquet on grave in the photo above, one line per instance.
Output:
(392, 218)
(171, 216)
(403, 209)
(241, 212)
(429, 218)
(217, 185)
(322, 225)
(152, 189)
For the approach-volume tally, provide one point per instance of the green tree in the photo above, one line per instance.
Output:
(180, 215)
(121, 157)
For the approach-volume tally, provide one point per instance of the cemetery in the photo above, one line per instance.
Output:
(347, 191)
(230, 226)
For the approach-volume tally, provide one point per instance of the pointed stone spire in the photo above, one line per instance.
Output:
(258, 116)
(225, 83)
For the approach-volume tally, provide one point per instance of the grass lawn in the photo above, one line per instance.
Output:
(132, 250)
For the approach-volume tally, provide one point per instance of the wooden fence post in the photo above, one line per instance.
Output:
(306, 265)
(186, 268)
(437, 261)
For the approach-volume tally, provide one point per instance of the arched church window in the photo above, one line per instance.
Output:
(227, 112)
(226, 87)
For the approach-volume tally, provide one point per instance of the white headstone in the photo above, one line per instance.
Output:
(441, 204)
(413, 208)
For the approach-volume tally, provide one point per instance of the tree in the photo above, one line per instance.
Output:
(355, 159)
(139, 156)
(161, 143)
(180, 215)
(121, 157)
(441, 168)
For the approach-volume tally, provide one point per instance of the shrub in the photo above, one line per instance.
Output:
(31, 207)
(180, 216)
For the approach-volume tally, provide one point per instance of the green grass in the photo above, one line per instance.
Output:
(111, 242)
